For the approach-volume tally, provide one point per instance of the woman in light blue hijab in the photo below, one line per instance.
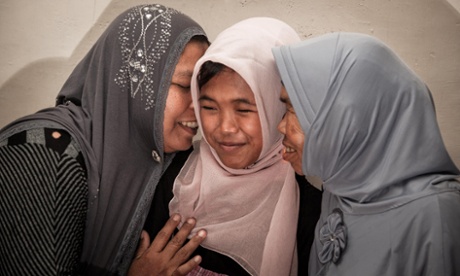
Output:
(391, 204)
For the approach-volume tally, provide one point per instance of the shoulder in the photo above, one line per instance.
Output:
(40, 138)
(43, 177)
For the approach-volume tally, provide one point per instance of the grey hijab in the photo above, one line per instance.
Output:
(372, 137)
(113, 104)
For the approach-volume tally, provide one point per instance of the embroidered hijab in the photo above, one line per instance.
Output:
(250, 214)
(372, 137)
(115, 100)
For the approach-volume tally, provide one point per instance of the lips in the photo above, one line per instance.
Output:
(190, 126)
(287, 148)
(230, 146)
(288, 153)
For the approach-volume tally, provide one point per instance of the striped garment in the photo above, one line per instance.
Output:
(199, 271)
(43, 203)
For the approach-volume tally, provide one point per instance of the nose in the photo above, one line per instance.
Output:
(190, 103)
(228, 124)
(282, 125)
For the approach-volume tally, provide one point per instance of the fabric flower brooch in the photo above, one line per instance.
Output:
(333, 237)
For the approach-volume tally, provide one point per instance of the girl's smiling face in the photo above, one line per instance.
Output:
(230, 119)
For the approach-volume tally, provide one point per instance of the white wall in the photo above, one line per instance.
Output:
(455, 4)
(41, 41)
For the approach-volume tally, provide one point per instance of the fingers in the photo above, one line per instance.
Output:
(178, 240)
(188, 266)
(143, 244)
(162, 238)
(166, 255)
(186, 251)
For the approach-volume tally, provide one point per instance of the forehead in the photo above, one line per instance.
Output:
(227, 85)
(192, 52)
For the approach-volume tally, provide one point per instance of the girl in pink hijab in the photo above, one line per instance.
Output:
(235, 182)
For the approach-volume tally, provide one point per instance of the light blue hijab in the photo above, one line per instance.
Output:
(373, 139)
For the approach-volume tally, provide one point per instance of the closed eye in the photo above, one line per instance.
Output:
(207, 103)
(244, 107)
(181, 86)
(245, 110)
(205, 107)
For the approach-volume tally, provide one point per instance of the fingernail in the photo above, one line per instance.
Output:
(197, 259)
(176, 217)
(190, 221)
(202, 233)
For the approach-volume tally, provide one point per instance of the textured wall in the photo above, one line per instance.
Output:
(41, 41)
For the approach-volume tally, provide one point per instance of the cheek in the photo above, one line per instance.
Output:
(171, 109)
(167, 119)
(186, 100)
(299, 141)
(257, 134)
(207, 124)
(251, 126)
(254, 126)
(296, 136)
(181, 103)
(299, 132)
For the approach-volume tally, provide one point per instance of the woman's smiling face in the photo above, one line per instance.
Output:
(180, 126)
(230, 119)
(294, 137)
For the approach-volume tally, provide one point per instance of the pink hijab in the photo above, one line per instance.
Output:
(250, 214)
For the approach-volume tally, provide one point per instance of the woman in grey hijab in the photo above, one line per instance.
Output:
(77, 180)
(364, 124)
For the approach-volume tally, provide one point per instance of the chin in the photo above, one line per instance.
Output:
(238, 165)
(178, 148)
(185, 147)
(234, 166)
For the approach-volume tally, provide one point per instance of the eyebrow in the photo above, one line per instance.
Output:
(243, 101)
(237, 100)
(205, 98)
(184, 73)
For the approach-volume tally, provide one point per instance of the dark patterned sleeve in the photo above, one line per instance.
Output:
(309, 212)
(43, 203)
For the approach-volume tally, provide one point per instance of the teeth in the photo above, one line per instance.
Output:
(190, 124)
(289, 150)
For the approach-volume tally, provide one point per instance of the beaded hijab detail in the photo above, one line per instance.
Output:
(139, 65)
